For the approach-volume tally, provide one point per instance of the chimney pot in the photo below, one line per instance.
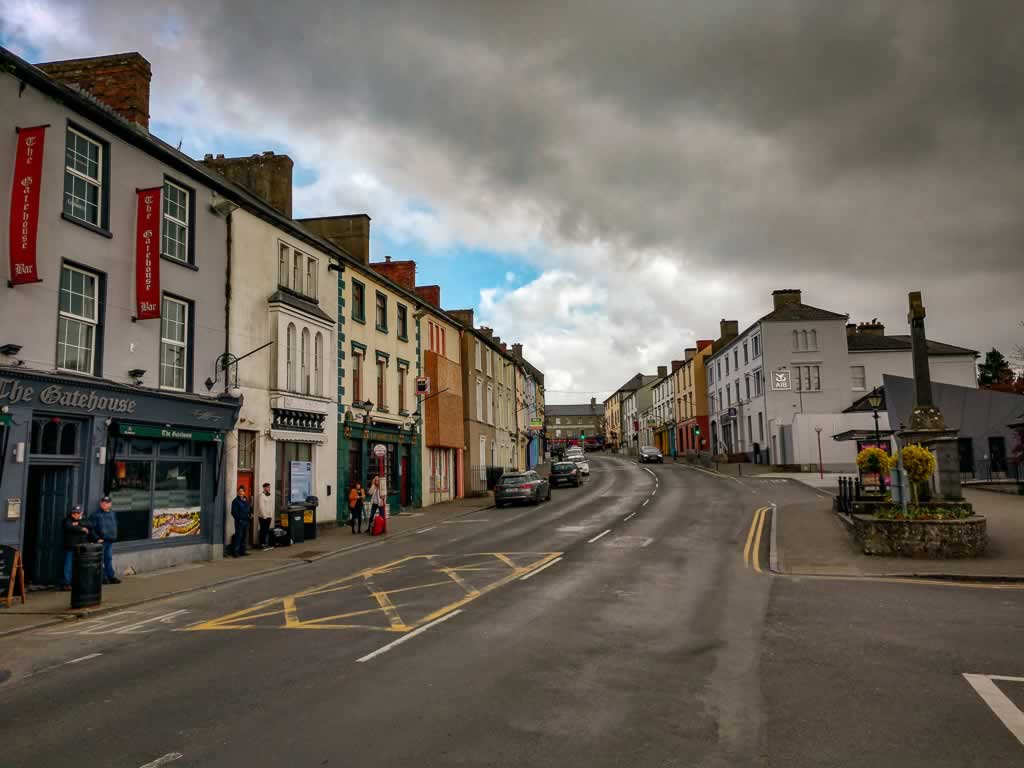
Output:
(662, 371)
(121, 81)
(207, 157)
(268, 176)
(351, 233)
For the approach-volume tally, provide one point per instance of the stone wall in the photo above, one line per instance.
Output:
(923, 539)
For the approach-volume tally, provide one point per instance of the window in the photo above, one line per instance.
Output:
(298, 268)
(247, 449)
(357, 377)
(736, 359)
(814, 339)
(479, 359)
(857, 377)
(758, 384)
(736, 384)
(54, 437)
(745, 358)
(382, 312)
(490, 404)
(558, 433)
(304, 363)
(479, 400)
(490, 355)
(403, 322)
(803, 340)
(747, 382)
(358, 301)
(83, 178)
(437, 337)
(815, 377)
(750, 428)
(808, 378)
(712, 404)
(290, 354)
(721, 400)
(757, 346)
(176, 223)
(78, 321)
(318, 365)
(796, 340)
(311, 270)
(760, 427)
(727, 365)
(728, 395)
(382, 392)
(282, 265)
(403, 372)
(173, 344)
(719, 372)
(711, 375)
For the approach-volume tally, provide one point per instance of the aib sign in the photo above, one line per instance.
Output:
(781, 380)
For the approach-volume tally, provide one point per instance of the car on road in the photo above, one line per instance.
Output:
(565, 472)
(651, 455)
(581, 464)
(516, 487)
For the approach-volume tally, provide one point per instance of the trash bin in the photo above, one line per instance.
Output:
(296, 522)
(309, 517)
(87, 575)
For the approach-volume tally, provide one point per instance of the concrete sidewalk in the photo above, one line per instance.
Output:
(828, 481)
(810, 540)
(46, 607)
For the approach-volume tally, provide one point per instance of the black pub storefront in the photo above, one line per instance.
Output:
(69, 440)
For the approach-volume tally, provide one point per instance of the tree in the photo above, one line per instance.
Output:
(994, 370)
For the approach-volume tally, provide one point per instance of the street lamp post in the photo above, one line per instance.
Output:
(821, 469)
(875, 401)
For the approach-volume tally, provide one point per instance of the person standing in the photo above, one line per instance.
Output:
(75, 532)
(104, 530)
(375, 503)
(265, 514)
(241, 511)
(356, 500)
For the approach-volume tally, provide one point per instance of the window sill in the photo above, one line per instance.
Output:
(383, 409)
(382, 329)
(296, 294)
(400, 337)
(86, 225)
(358, 319)
(179, 262)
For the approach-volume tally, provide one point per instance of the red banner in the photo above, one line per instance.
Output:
(147, 254)
(28, 176)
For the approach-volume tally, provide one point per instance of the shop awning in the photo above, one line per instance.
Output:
(316, 438)
(167, 433)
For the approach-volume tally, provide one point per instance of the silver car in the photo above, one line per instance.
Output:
(519, 487)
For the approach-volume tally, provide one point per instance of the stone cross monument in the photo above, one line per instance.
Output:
(927, 426)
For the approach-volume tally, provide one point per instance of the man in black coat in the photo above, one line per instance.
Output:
(241, 511)
(75, 532)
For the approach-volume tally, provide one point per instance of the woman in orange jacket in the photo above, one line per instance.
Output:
(356, 496)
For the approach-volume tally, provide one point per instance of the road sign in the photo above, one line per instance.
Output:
(422, 385)
(379, 451)
(781, 380)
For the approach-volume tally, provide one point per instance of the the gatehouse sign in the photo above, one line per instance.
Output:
(14, 391)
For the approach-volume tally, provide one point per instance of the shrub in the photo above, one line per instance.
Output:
(922, 513)
(874, 461)
(919, 464)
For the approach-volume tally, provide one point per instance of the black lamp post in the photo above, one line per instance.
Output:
(875, 401)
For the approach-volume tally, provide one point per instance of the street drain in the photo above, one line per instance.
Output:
(309, 553)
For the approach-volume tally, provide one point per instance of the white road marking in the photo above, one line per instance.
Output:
(478, 520)
(999, 702)
(166, 618)
(170, 757)
(64, 664)
(92, 623)
(645, 503)
(83, 658)
(409, 636)
(649, 472)
(629, 516)
(655, 491)
(531, 574)
(431, 528)
(599, 536)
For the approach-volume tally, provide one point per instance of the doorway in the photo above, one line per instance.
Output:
(405, 502)
(49, 499)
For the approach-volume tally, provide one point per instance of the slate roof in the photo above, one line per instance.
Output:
(866, 342)
(573, 410)
(792, 313)
(303, 305)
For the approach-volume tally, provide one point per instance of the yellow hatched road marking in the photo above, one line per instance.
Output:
(750, 534)
(756, 553)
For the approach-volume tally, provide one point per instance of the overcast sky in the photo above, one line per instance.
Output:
(605, 181)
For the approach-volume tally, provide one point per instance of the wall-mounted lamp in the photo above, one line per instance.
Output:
(222, 206)
(136, 374)
(333, 267)
(101, 455)
(19, 453)
(10, 349)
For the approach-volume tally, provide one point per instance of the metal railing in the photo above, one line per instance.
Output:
(850, 490)
(481, 479)
(985, 471)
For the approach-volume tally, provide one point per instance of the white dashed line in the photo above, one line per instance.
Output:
(645, 503)
(655, 491)
(629, 517)
(410, 636)
(424, 530)
(531, 574)
(600, 535)
(170, 757)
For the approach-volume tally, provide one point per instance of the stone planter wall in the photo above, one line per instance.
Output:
(869, 507)
(925, 539)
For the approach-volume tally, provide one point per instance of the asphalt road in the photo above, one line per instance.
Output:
(617, 625)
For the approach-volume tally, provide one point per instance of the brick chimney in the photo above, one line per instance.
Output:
(351, 233)
(488, 332)
(676, 365)
(662, 371)
(728, 329)
(401, 272)
(593, 402)
(517, 351)
(784, 296)
(268, 176)
(430, 294)
(701, 343)
(121, 81)
(851, 329)
(874, 328)
(690, 352)
(463, 316)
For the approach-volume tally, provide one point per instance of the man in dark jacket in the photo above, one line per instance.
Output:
(241, 511)
(104, 530)
(75, 532)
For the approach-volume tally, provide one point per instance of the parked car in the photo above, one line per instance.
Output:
(517, 487)
(572, 453)
(651, 455)
(581, 464)
(565, 472)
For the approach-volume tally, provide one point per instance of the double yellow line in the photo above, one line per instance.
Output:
(752, 551)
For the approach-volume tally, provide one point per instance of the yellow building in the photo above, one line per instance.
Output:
(692, 400)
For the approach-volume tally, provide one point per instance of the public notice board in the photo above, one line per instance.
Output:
(302, 480)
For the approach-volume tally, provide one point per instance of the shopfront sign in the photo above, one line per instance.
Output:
(14, 391)
(147, 254)
(167, 433)
(536, 424)
(781, 380)
(24, 221)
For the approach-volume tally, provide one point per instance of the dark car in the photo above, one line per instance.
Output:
(651, 455)
(526, 487)
(564, 473)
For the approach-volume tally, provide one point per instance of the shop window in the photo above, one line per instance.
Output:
(176, 485)
(287, 452)
(140, 447)
(130, 491)
(53, 437)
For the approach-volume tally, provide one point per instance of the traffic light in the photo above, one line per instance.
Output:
(582, 434)
(696, 430)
